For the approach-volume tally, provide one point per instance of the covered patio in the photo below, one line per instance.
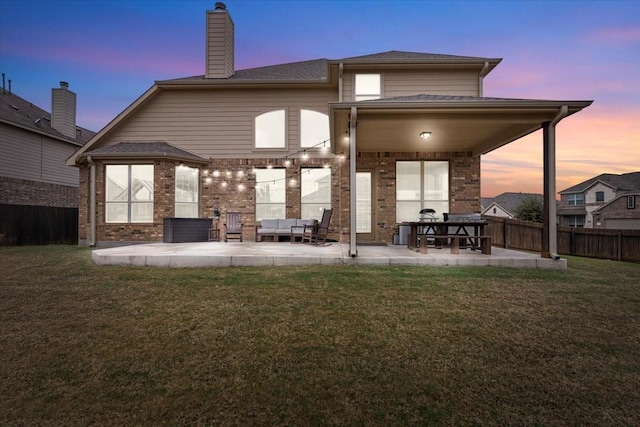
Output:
(237, 254)
(463, 126)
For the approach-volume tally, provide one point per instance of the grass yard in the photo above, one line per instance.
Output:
(88, 345)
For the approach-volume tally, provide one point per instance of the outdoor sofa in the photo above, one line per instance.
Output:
(275, 228)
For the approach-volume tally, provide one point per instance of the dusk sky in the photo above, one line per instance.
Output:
(112, 51)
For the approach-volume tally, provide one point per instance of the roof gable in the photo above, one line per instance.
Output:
(627, 181)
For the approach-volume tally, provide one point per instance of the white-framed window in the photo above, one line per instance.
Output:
(186, 189)
(631, 202)
(129, 193)
(420, 185)
(314, 128)
(576, 199)
(315, 192)
(271, 193)
(270, 129)
(576, 221)
(367, 86)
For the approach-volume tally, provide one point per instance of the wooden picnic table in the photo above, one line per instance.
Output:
(445, 229)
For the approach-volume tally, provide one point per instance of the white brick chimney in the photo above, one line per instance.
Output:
(220, 44)
(63, 110)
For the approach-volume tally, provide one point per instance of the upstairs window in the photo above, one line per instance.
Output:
(576, 199)
(129, 193)
(270, 129)
(270, 194)
(599, 196)
(368, 87)
(186, 192)
(631, 202)
(314, 128)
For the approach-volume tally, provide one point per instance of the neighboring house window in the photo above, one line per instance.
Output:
(495, 211)
(631, 202)
(270, 129)
(315, 192)
(419, 185)
(368, 87)
(129, 193)
(314, 129)
(599, 196)
(576, 199)
(186, 192)
(270, 193)
(575, 221)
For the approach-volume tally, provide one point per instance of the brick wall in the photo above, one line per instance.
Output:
(236, 192)
(35, 193)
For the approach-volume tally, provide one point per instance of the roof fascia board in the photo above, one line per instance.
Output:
(146, 156)
(462, 105)
(71, 161)
(201, 84)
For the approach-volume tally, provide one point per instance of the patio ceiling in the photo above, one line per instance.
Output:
(477, 125)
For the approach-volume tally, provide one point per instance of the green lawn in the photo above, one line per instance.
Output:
(88, 345)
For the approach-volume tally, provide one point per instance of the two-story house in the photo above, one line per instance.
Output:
(34, 148)
(382, 136)
(582, 203)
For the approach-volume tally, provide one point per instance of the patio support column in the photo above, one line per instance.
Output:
(549, 226)
(353, 250)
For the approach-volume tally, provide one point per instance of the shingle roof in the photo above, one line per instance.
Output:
(20, 112)
(317, 69)
(510, 201)
(623, 182)
(155, 149)
(396, 56)
(444, 98)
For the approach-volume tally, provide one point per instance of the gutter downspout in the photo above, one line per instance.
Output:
(483, 72)
(92, 201)
(550, 238)
(340, 73)
(353, 121)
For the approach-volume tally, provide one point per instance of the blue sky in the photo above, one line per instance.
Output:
(111, 51)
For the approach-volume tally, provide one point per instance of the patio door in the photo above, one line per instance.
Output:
(365, 217)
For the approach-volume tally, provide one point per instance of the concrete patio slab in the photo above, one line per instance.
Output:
(221, 254)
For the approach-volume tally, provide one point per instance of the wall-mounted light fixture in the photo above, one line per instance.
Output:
(425, 135)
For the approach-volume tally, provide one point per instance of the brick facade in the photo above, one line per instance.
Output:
(36, 193)
(233, 189)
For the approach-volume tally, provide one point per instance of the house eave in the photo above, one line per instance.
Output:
(41, 132)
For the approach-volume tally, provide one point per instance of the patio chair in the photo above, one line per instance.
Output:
(233, 226)
(316, 234)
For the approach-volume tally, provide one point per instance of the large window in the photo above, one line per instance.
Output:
(129, 193)
(367, 87)
(314, 128)
(186, 192)
(576, 221)
(420, 185)
(315, 192)
(576, 199)
(270, 193)
(270, 129)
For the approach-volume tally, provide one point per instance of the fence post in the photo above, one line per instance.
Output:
(571, 242)
(619, 245)
(504, 233)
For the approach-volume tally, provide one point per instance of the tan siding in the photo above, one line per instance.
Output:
(409, 82)
(220, 45)
(220, 123)
(30, 156)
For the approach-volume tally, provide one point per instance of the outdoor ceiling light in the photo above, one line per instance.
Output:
(425, 135)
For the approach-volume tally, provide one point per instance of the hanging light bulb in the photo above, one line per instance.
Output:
(240, 174)
(287, 162)
(216, 173)
(305, 156)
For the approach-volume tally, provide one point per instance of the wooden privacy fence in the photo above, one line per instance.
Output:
(37, 225)
(620, 245)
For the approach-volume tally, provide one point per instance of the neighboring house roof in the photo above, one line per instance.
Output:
(156, 149)
(19, 112)
(630, 193)
(509, 202)
(623, 182)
